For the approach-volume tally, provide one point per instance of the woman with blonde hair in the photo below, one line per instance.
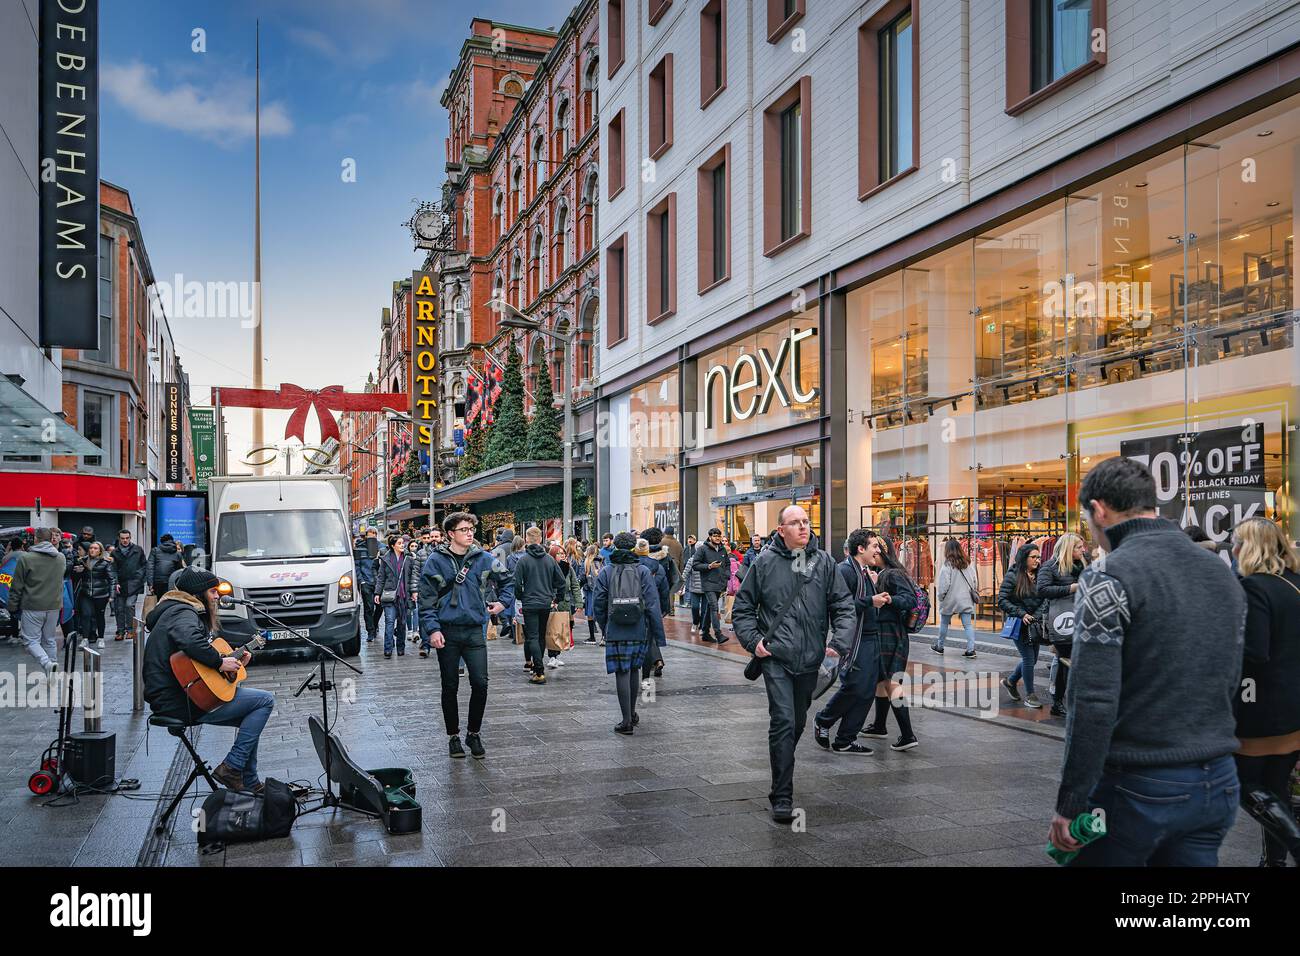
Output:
(1057, 581)
(588, 571)
(1268, 718)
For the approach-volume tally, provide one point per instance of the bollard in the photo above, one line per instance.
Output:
(90, 689)
(137, 668)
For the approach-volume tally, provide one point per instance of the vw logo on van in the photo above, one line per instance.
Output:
(286, 598)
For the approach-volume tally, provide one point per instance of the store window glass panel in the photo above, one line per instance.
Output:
(1021, 360)
(654, 437)
(744, 496)
(1235, 458)
(878, 467)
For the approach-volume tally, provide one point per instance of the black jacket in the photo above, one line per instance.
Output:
(868, 627)
(388, 576)
(892, 617)
(1053, 583)
(129, 564)
(712, 579)
(178, 623)
(538, 579)
(1011, 605)
(164, 561)
(660, 575)
(821, 599)
(97, 580)
(1272, 657)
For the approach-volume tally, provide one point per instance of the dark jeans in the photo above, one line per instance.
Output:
(851, 704)
(395, 627)
(370, 611)
(90, 616)
(468, 645)
(535, 637)
(1273, 774)
(1063, 652)
(124, 611)
(788, 698)
(1164, 816)
(709, 616)
(1028, 661)
(697, 609)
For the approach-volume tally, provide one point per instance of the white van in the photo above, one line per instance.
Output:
(282, 541)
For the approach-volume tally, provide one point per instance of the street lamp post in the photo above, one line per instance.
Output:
(393, 414)
(514, 319)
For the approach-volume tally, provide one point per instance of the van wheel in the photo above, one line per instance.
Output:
(352, 646)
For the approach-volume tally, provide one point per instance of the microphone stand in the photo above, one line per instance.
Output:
(324, 685)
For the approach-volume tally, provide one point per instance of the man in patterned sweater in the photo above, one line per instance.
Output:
(1159, 626)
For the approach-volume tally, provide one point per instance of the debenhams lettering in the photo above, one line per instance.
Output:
(69, 101)
(759, 371)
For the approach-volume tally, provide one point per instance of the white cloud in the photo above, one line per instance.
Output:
(427, 95)
(223, 115)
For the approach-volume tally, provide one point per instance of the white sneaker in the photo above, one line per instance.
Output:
(552, 662)
(557, 661)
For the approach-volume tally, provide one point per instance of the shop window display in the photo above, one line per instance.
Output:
(744, 496)
(654, 437)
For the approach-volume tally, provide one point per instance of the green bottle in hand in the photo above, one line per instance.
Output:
(1085, 828)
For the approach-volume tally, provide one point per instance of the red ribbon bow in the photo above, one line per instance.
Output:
(302, 399)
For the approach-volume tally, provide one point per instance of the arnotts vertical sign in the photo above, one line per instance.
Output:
(69, 230)
(424, 360)
(173, 434)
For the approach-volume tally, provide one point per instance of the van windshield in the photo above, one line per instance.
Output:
(281, 534)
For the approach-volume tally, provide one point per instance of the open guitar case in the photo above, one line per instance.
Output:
(389, 792)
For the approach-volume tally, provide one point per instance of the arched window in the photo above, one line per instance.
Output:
(512, 85)
(517, 184)
(561, 239)
(460, 322)
(536, 277)
(587, 213)
(499, 214)
(539, 156)
(516, 279)
(561, 130)
(590, 88)
(584, 353)
(557, 357)
(536, 361)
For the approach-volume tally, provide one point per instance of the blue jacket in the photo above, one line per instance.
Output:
(588, 582)
(660, 576)
(651, 623)
(464, 605)
(365, 564)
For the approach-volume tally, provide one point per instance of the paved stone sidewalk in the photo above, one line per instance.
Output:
(559, 788)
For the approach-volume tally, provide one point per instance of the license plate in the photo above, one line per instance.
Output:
(286, 635)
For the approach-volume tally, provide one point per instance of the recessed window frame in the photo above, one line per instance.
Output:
(655, 10)
(779, 21)
(108, 422)
(709, 207)
(713, 51)
(1019, 48)
(774, 242)
(661, 259)
(616, 324)
(870, 180)
(660, 113)
(616, 29)
(615, 138)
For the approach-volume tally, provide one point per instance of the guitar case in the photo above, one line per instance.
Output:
(388, 793)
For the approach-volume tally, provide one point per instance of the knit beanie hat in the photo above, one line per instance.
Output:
(642, 546)
(196, 581)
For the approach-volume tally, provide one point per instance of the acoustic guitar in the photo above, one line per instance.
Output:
(207, 687)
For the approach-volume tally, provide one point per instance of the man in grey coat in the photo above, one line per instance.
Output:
(37, 589)
(788, 601)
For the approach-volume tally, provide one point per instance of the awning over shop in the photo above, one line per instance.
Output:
(69, 491)
(29, 428)
(508, 479)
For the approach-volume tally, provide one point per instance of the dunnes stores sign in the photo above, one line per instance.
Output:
(69, 174)
(755, 379)
(424, 359)
(173, 434)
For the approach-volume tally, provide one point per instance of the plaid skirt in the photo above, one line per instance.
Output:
(623, 655)
(894, 644)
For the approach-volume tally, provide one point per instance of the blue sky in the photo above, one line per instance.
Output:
(340, 80)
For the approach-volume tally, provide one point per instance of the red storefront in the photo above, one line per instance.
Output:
(70, 501)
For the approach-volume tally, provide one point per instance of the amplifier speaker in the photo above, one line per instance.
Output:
(91, 758)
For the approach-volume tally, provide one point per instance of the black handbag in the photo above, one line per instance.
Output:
(230, 817)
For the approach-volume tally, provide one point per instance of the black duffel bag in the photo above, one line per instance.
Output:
(230, 817)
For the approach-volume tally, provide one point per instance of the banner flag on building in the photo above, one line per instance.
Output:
(173, 434)
(203, 435)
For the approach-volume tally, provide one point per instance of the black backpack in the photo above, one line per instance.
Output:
(230, 817)
(626, 605)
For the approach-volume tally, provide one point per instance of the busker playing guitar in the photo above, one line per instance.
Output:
(185, 620)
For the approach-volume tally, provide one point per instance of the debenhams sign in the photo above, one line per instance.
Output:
(69, 173)
(751, 383)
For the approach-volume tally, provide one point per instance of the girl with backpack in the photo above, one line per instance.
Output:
(956, 590)
(1057, 581)
(628, 609)
(894, 642)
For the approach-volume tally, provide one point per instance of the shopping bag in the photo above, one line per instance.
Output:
(150, 602)
(557, 631)
(1011, 627)
(493, 632)
(519, 630)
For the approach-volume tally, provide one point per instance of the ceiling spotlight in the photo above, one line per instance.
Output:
(1086, 460)
(1270, 205)
(1264, 132)
(1140, 185)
